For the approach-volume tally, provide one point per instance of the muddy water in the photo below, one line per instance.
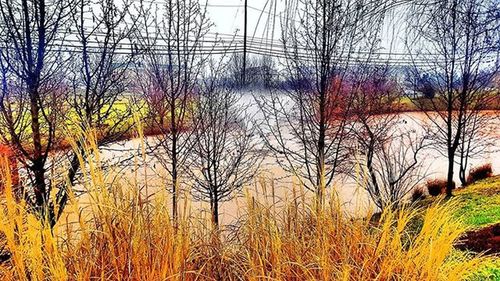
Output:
(280, 187)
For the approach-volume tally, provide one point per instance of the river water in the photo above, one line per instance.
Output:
(280, 186)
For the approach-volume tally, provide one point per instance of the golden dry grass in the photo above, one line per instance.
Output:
(119, 235)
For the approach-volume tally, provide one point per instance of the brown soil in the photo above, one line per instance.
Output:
(485, 240)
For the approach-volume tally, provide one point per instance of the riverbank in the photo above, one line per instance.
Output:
(479, 209)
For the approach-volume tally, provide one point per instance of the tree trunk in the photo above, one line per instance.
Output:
(175, 183)
(215, 211)
(37, 166)
(173, 151)
(62, 195)
(174, 192)
(451, 162)
(320, 189)
(39, 184)
(462, 174)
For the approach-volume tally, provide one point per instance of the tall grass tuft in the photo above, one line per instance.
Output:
(114, 232)
(304, 245)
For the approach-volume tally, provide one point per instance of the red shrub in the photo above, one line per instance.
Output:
(437, 186)
(375, 95)
(486, 240)
(480, 173)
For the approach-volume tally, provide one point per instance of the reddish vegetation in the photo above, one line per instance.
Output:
(417, 194)
(381, 95)
(378, 95)
(437, 186)
(485, 240)
(480, 173)
(6, 151)
(336, 102)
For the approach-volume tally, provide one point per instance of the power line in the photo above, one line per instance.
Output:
(256, 48)
(266, 46)
(222, 38)
(206, 47)
(264, 49)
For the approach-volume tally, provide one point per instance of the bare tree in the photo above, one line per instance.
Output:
(395, 169)
(267, 72)
(235, 69)
(384, 148)
(478, 135)
(224, 155)
(32, 84)
(173, 53)
(465, 36)
(100, 75)
(306, 125)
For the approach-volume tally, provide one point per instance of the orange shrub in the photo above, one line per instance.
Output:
(8, 152)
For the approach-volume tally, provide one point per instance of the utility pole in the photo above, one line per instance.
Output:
(243, 72)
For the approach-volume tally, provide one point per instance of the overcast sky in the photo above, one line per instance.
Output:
(264, 21)
(228, 16)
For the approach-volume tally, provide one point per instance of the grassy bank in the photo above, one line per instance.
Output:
(480, 202)
(479, 206)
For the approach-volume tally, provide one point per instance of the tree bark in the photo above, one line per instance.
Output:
(451, 163)
(215, 210)
(462, 174)
(174, 187)
(37, 166)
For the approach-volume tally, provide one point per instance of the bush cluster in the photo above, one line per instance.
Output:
(437, 186)
(417, 194)
(480, 173)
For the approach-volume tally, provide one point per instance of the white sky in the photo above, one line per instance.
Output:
(230, 19)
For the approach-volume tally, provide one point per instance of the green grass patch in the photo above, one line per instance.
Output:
(479, 206)
(480, 202)
(487, 271)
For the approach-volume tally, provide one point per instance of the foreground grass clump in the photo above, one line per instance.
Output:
(130, 239)
(117, 233)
